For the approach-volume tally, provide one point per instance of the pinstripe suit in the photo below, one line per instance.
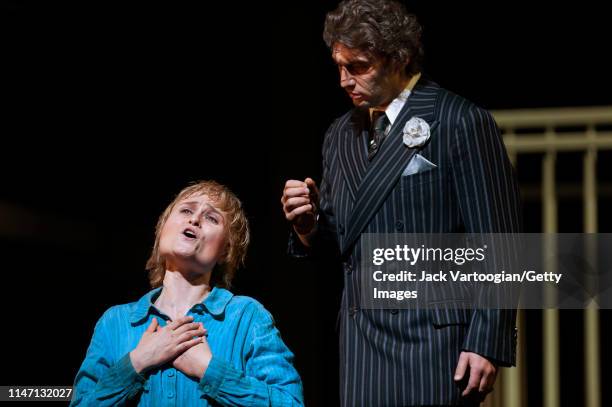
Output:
(408, 357)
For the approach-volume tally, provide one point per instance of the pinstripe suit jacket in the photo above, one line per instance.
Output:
(408, 357)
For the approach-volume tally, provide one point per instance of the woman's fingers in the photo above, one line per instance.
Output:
(190, 343)
(153, 325)
(179, 321)
(186, 327)
(190, 334)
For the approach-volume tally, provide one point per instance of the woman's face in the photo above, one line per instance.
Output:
(194, 238)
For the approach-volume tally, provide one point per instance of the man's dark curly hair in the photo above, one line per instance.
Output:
(381, 28)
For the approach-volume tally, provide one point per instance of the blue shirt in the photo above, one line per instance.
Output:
(250, 366)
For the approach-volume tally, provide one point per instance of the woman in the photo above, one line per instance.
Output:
(190, 341)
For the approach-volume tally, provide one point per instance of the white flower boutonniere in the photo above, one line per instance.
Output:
(416, 132)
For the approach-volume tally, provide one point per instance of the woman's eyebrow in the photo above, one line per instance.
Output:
(213, 209)
(196, 203)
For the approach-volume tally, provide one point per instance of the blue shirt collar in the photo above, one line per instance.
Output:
(214, 303)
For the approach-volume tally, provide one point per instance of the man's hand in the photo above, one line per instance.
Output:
(159, 345)
(194, 361)
(480, 377)
(300, 202)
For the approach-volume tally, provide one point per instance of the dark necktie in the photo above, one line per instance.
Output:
(377, 134)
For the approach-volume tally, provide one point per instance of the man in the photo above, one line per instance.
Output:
(454, 176)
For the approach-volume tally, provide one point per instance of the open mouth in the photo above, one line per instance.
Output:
(189, 234)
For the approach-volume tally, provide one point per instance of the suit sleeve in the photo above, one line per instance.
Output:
(486, 190)
(324, 241)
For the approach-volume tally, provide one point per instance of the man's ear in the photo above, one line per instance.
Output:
(400, 66)
(406, 63)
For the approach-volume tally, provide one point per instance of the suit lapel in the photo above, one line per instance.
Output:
(387, 166)
(352, 150)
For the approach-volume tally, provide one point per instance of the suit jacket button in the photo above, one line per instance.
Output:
(341, 228)
(399, 225)
(352, 311)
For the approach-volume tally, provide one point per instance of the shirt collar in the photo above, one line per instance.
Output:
(217, 300)
(395, 107)
(214, 303)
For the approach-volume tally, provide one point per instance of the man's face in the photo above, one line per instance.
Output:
(366, 79)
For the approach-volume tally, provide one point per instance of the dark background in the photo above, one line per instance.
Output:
(107, 111)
